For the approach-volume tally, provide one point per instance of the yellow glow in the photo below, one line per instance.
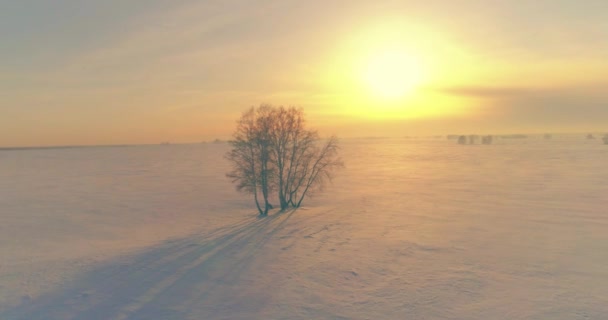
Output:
(396, 69)
(392, 74)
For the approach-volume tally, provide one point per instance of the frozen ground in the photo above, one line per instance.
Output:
(409, 230)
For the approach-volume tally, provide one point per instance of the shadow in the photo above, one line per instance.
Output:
(163, 282)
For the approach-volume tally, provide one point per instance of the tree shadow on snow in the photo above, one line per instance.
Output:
(163, 282)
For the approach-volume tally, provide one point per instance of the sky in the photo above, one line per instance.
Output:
(82, 72)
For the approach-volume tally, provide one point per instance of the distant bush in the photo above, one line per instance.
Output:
(487, 139)
(514, 136)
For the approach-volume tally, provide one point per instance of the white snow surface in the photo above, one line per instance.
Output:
(409, 229)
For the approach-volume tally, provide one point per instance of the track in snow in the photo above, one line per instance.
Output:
(164, 282)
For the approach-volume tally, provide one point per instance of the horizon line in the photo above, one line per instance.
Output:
(215, 141)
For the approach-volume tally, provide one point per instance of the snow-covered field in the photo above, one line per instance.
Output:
(410, 229)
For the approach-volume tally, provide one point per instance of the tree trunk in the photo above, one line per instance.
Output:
(283, 201)
(257, 204)
(266, 203)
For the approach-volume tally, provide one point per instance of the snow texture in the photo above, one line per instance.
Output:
(410, 229)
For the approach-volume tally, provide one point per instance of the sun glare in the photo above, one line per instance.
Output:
(387, 69)
(391, 74)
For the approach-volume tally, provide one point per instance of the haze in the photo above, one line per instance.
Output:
(121, 72)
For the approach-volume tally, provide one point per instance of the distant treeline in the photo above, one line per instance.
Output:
(64, 147)
(506, 136)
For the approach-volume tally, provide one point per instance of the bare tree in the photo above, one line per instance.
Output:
(250, 157)
(318, 164)
(289, 139)
(287, 154)
(301, 165)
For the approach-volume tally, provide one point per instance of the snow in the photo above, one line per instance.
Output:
(410, 229)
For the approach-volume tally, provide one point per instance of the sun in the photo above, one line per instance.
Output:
(391, 74)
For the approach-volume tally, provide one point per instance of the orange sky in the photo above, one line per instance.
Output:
(151, 71)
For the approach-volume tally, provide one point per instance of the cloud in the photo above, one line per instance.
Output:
(574, 107)
(486, 91)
